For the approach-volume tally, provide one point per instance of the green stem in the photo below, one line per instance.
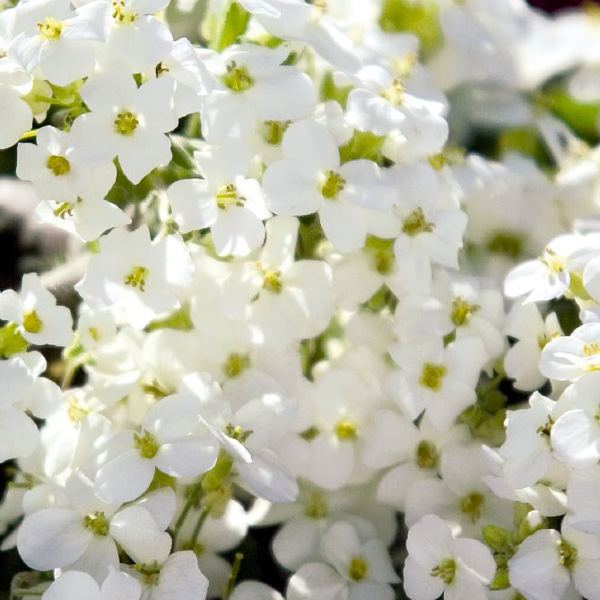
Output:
(235, 570)
(201, 519)
(186, 510)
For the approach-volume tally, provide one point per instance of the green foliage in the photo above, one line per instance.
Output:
(231, 28)
(330, 91)
(420, 17)
(363, 144)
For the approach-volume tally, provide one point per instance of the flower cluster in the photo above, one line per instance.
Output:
(337, 268)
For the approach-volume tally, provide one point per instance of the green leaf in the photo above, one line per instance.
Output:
(232, 27)
(525, 140)
(363, 144)
(419, 16)
(579, 116)
(330, 91)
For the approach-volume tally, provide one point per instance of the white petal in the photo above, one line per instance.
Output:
(237, 231)
(418, 582)
(315, 581)
(296, 543)
(15, 117)
(73, 585)
(181, 579)
(124, 478)
(291, 187)
(150, 150)
(120, 586)
(52, 538)
(19, 435)
(192, 204)
(139, 535)
(254, 590)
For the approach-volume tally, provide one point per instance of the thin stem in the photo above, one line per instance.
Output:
(201, 519)
(235, 570)
(186, 510)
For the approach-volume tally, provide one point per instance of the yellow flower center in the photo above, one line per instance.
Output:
(121, 14)
(63, 210)
(59, 165)
(51, 28)
(462, 311)
(229, 196)
(332, 185)
(555, 263)
(426, 455)
(126, 123)
(346, 430)
(446, 571)
(97, 523)
(567, 553)
(358, 568)
(137, 278)
(471, 505)
(75, 411)
(235, 364)
(237, 78)
(316, 507)
(272, 281)
(416, 223)
(273, 131)
(31, 322)
(432, 376)
(146, 444)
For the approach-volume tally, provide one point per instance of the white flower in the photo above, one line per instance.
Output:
(575, 435)
(126, 122)
(172, 439)
(82, 533)
(525, 324)
(527, 448)
(355, 568)
(177, 577)
(381, 105)
(73, 585)
(547, 561)
(413, 452)
(342, 403)
(18, 433)
(439, 379)
(439, 564)
(462, 496)
(136, 39)
(47, 164)
(231, 205)
(252, 85)
(284, 298)
(40, 321)
(310, 179)
(426, 223)
(136, 278)
(309, 24)
(549, 275)
(56, 40)
(567, 358)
